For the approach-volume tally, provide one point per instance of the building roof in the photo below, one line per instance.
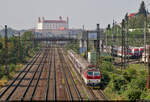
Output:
(54, 21)
(132, 14)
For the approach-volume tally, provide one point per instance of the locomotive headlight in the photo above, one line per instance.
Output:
(89, 81)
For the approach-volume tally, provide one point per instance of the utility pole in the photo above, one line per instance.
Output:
(82, 39)
(87, 33)
(148, 77)
(19, 45)
(98, 46)
(145, 32)
(24, 55)
(108, 29)
(6, 52)
(127, 38)
(112, 45)
(33, 39)
(37, 41)
(123, 44)
(106, 38)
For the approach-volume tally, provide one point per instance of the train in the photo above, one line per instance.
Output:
(89, 73)
(117, 51)
(145, 54)
(133, 52)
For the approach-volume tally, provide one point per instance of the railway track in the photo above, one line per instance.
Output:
(93, 94)
(100, 92)
(51, 79)
(67, 70)
(131, 61)
(27, 69)
(48, 76)
(39, 76)
(10, 93)
(68, 87)
(34, 78)
(49, 72)
(55, 85)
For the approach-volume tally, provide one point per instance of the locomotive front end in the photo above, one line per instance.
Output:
(92, 77)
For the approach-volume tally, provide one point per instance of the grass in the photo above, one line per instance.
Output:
(5, 79)
(63, 81)
(85, 94)
(116, 95)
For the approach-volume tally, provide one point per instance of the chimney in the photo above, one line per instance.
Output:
(43, 18)
(60, 18)
(67, 20)
(39, 20)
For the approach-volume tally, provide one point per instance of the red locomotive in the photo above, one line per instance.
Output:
(89, 73)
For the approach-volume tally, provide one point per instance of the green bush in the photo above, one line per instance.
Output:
(105, 79)
(12, 67)
(133, 94)
(138, 83)
(145, 95)
(148, 97)
(108, 66)
(107, 58)
(123, 88)
(13, 60)
(126, 76)
(1, 45)
(117, 82)
(135, 88)
(131, 73)
(1, 71)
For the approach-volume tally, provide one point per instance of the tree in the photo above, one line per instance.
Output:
(126, 17)
(1, 45)
(140, 21)
(142, 9)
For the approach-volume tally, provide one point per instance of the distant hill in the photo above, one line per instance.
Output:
(11, 32)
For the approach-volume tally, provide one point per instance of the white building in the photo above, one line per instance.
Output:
(53, 24)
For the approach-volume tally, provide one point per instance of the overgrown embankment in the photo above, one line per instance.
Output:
(19, 53)
(126, 84)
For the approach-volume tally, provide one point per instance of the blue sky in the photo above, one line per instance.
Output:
(23, 14)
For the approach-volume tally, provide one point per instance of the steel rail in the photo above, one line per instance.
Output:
(66, 80)
(102, 95)
(49, 71)
(33, 93)
(9, 96)
(55, 89)
(24, 94)
(88, 90)
(70, 75)
(19, 75)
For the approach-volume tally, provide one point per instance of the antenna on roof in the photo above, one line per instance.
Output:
(60, 17)
(43, 18)
(39, 20)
